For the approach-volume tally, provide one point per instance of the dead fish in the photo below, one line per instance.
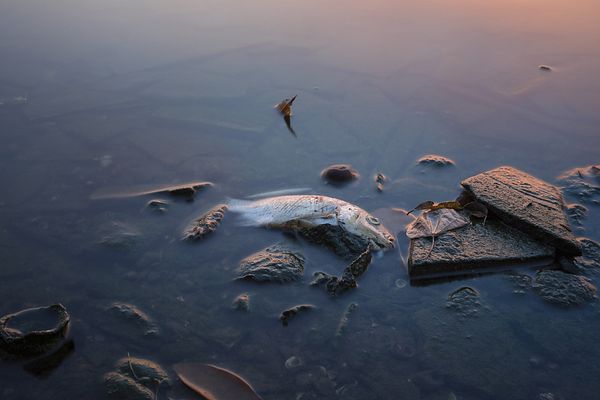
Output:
(187, 190)
(300, 211)
(278, 193)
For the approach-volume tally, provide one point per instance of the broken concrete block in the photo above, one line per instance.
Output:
(474, 248)
(526, 203)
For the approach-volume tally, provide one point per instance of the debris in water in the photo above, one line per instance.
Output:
(345, 320)
(285, 108)
(184, 190)
(158, 205)
(380, 180)
(290, 313)
(207, 223)
(242, 302)
(214, 383)
(293, 362)
(545, 68)
(336, 286)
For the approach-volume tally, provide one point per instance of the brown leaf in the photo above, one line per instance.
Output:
(214, 383)
(453, 205)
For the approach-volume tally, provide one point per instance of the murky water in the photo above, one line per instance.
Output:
(107, 95)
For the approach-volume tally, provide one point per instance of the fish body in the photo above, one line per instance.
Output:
(294, 211)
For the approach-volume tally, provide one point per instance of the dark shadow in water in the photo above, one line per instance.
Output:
(42, 367)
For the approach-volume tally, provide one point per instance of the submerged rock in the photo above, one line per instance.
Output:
(526, 203)
(465, 301)
(158, 205)
(132, 313)
(582, 183)
(521, 282)
(564, 289)
(206, 224)
(122, 387)
(273, 264)
(119, 236)
(345, 320)
(339, 174)
(589, 262)
(145, 372)
(242, 302)
(435, 160)
(474, 248)
(336, 286)
(576, 214)
(33, 330)
(290, 313)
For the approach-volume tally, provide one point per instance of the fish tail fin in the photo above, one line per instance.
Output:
(249, 215)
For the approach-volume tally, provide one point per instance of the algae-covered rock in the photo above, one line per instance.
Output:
(276, 263)
(564, 289)
(34, 330)
(122, 387)
(526, 203)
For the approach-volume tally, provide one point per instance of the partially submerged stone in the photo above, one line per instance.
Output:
(338, 174)
(576, 214)
(206, 224)
(336, 286)
(564, 289)
(589, 262)
(474, 248)
(435, 160)
(129, 312)
(276, 263)
(122, 387)
(465, 301)
(526, 203)
(290, 313)
(582, 183)
(34, 330)
(145, 372)
(242, 302)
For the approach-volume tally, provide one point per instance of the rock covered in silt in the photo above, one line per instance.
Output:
(122, 387)
(473, 248)
(589, 262)
(290, 313)
(205, 224)
(276, 263)
(339, 174)
(582, 183)
(564, 289)
(435, 160)
(576, 214)
(336, 286)
(33, 330)
(129, 312)
(526, 203)
(146, 372)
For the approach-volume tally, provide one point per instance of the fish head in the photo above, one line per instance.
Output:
(372, 229)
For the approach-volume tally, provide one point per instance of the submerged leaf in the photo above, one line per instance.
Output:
(214, 383)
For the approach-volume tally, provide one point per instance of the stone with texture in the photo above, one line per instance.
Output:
(435, 160)
(122, 387)
(273, 264)
(526, 203)
(582, 183)
(564, 289)
(473, 248)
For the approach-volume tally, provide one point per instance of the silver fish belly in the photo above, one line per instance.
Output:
(311, 210)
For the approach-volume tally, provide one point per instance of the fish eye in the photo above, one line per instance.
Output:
(372, 220)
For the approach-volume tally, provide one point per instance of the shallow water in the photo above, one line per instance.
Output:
(106, 96)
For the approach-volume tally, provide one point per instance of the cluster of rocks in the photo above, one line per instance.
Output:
(528, 225)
